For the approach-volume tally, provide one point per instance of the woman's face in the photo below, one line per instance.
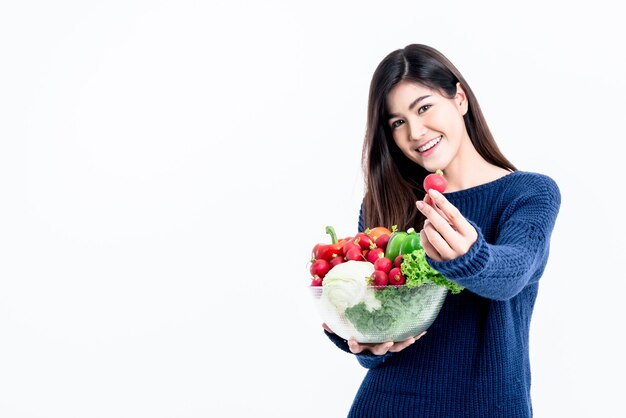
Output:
(426, 126)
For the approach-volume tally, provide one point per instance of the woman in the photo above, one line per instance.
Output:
(489, 232)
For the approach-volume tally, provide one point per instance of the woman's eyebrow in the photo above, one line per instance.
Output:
(411, 106)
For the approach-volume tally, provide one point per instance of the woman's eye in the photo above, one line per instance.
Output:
(396, 123)
(423, 109)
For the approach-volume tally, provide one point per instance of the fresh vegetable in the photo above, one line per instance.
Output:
(418, 272)
(375, 254)
(435, 181)
(382, 241)
(355, 254)
(378, 294)
(402, 242)
(328, 251)
(346, 284)
(377, 232)
(335, 261)
(379, 278)
(319, 268)
(383, 264)
(363, 240)
(401, 308)
(396, 277)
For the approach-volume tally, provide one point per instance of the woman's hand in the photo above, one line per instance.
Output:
(378, 349)
(446, 234)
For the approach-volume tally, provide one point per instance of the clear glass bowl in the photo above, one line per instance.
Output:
(379, 314)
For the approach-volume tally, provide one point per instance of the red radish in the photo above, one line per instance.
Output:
(380, 278)
(435, 181)
(381, 241)
(375, 254)
(335, 260)
(363, 240)
(383, 264)
(319, 268)
(396, 277)
(398, 261)
(354, 254)
(349, 246)
(316, 281)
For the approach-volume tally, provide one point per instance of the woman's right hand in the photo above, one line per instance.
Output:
(378, 349)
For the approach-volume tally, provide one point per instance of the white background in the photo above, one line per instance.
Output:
(166, 167)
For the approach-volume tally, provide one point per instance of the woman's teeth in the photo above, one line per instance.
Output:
(430, 144)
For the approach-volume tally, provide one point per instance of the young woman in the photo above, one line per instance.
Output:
(489, 232)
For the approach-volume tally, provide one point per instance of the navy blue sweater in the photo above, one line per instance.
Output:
(474, 359)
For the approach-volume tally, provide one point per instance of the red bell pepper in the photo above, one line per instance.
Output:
(329, 251)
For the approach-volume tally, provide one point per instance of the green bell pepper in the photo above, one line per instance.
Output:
(402, 242)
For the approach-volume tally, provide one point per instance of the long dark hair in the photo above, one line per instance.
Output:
(393, 182)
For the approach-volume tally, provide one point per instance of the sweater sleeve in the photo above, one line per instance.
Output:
(500, 270)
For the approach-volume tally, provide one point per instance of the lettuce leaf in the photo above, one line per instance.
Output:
(417, 272)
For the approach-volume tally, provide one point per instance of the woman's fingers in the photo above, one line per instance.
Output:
(449, 233)
(401, 345)
(429, 201)
(454, 218)
(382, 348)
(429, 249)
(377, 349)
(442, 248)
(437, 221)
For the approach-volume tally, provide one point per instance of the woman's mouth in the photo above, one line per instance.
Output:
(430, 144)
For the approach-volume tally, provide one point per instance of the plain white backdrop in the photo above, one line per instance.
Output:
(167, 166)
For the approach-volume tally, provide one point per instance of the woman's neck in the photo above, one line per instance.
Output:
(470, 169)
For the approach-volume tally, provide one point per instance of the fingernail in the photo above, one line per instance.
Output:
(419, 204)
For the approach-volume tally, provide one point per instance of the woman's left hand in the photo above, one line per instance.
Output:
(446, 234)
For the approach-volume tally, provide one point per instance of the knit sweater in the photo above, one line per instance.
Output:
(474, 359)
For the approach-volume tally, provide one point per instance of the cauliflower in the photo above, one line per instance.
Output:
(346, 285)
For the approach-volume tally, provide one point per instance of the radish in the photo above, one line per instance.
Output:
(383, 264)
(375, 254)
(317, 281)
(380, 278)
(335, 260)
(381, 241)
(319, 268)
(435, 181)
(354, 254)
(396, 277)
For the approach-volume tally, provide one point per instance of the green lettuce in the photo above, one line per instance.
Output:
(417, 272)
(401, 307)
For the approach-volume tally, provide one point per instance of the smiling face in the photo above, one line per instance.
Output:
(426, 126)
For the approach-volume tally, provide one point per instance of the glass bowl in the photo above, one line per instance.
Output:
(379, 313)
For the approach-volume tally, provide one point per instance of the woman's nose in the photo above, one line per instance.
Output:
(418, 130)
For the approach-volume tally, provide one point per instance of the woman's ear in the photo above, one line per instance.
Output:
(461, 99)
